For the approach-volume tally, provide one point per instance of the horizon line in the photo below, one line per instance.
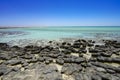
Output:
(59, 26)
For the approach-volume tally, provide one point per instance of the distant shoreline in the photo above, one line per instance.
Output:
(9, 27)
(18, 27)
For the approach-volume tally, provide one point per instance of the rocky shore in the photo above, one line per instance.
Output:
(77, 60)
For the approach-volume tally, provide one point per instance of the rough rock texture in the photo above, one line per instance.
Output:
(40, 72)
(77, 60)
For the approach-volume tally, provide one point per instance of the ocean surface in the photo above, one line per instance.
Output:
(55, 33)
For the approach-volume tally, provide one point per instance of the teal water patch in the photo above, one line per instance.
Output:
(53, 33)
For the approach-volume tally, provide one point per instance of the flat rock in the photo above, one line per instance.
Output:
(105, 66)
(41, 72)
(4, 70)
(13, 62)
(4, 56)
(71, 68)
(107, 59)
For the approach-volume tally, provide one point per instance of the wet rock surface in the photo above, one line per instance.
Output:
(77, 60)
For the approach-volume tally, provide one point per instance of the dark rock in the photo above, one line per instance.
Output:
(110, 42)
(15, 47)
(72, 50)
(48, 60)
(78, 76)
(50, 41)
(35, 52)
(93, 50)
(4, 70)
(77, 40)
(104, 76)
(71, 68)
(40, 72)
(60, 61)
(13, 62)
(77, 43)
(76, 46)
(116, 45)
(82, 76)
(64, 43)
(15, 69)
(115, 78)
(48, 72)
(96, 54)
(44, 54)
(4, 56)
(96, 50)
(25, 64)
(33, 49)
(66, 51)
(106, 66)
(41, 59)
(48, 47)
(110, 71)
(90, 44)
(106, 59)
(91, 41)
(10, 55)
(32, 60)
(82, 51)
(55, 51)
(67, 60)
(79, 60)
(53, 55)
(93, 59)
(74, 60)
(99, 69)
(116, 60)
(27, 56)
(17, 53)
(80, 55)
(100, 46)
(116, 51)
(4, 46)
(84, 64)
(29, 47)
(87, 76)
(81, 40)
(69, 44)
(64, 46)
(106, 54)
(96, 77)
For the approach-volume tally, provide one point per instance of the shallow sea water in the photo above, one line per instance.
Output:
(55, 33)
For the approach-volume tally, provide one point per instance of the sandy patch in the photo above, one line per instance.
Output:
(1, 61)
(88, 55)
(75, 54)
(114, 55)
(67, 77)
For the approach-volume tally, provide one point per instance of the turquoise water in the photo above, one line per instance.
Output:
(53, 33)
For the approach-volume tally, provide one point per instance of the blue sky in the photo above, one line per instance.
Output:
(59, 12)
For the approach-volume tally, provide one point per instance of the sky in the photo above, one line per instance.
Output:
(59, 13)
